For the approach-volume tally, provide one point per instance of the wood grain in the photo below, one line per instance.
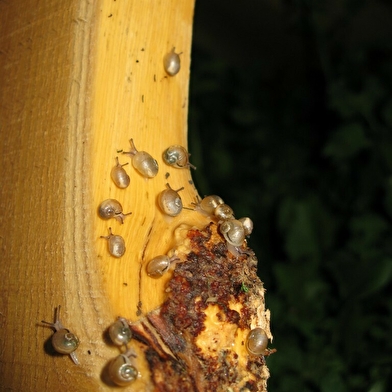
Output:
(78, 80)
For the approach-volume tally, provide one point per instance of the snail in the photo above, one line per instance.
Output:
(223, 212)
(170, 201)
(116, 244)
(247, 224)
(208, 204)
(257, 341)
(119, 332)
(233, 231)
(172, 62)
(63, 341)
(111, 208)
(121, 370)
(177, 156)
(159, 265)
(119, 175)
(143, 162)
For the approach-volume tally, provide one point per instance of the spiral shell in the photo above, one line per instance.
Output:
(116, 244)
(158, 266)
(111, 208)
(223, 212)
(257, 341)
(120, 176)
(143, 162)
(119, 332)
(177, 156)
(63, 341)
(170, 201)
(121, 371)
(172, 63)
(247, 224)
(233, 232)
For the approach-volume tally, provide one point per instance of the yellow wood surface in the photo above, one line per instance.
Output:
(78, 79)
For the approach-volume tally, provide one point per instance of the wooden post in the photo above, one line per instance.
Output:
(78, 79)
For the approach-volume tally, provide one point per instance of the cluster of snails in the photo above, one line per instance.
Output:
(233, 230)
(121, 369)
(169, 200)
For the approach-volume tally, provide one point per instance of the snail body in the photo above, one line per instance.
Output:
(119, 332)
(116, 244)
(63, 341)
(120, 176)
(172, 62)
(233, 231)
(159, 265)
(121, 370)
(143, 162)
(112, 208)
(257, 341)
(177, 156)
(170, 201)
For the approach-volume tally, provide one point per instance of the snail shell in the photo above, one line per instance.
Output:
(223, 211)
(111, 208)
(233, 231)
(120, 176)
(247, 224)
(119, 332)
(116, 244)
(177, 156)
(143, 162)
(121, 371)
(257, 341)
(170, 201)
(63, 341)
(158, 266)
(208, 204)
(172, 62)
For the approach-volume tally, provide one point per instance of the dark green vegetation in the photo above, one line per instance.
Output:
(304, 148)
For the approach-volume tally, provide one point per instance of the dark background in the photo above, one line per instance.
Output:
(291, 124)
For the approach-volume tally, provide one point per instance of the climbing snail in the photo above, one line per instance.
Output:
(121, 370)
(177, 156)
(116, 244)
(172, 63)
(119, 332)
(111, 208)
(119, 175)
(63, 341)
(233, 231)
(223, 212)
(159, 265)
(143, 162)
(170, 201)
(257, 341)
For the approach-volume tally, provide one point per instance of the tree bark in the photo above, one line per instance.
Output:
(78, 80)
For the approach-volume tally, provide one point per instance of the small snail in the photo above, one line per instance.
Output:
(119, 175)
(143, 162)
(119, 332)
(170, 201)
(116, 244)
(159, 265)
(121, 370)
(172, 63)
(233, 231)
(63, 341)
(208, 204)
(223, 211)
(111, 208)
(247, 224)
(177, 156)
(257, 341)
